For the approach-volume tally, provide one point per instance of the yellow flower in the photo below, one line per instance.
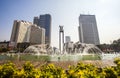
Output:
(0, 67)
(71, 71)
(80, 72)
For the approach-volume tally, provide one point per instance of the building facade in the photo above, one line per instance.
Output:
(19, 32)
(88, 32)
(23, 32)
(37, 35)
(44, 21)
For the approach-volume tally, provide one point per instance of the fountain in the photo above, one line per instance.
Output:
(36, 50)
(71, 52)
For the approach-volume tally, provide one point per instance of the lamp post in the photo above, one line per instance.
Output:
(61, 32)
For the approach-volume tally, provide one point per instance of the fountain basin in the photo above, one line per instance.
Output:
(44, 57)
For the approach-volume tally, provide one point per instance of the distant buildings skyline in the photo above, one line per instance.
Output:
(40, 31)
(44, 21)
(88, 32)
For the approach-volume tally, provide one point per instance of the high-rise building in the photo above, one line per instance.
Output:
(37, 35)
(44, 21)
(67, 39)
(27, 32)
(88, 32)
(19, 32)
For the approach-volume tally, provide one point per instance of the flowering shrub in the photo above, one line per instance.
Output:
(117, 68)
(50, 71)
(9, 70)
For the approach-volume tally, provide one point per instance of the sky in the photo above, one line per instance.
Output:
(63, 12)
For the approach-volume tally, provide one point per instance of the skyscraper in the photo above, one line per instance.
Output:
(88, 32)
(44, 21)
